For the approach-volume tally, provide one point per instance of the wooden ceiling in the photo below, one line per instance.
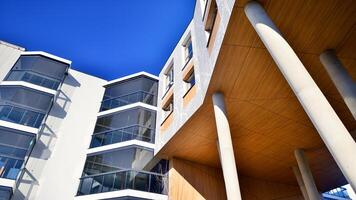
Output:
(266, 119)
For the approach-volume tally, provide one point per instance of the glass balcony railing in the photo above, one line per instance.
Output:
(10, 167)
(34, 78)
(120, 180)
(135, 132)
(21, 116)
(140, 96)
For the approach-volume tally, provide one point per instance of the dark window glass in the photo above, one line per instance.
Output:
(14, 147)
(138, 123)
(127, 158)
(139, 89)
(23, 106)
(5, 193)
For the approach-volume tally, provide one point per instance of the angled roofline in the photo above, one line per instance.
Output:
(12, 45)
(48, 55)
(142, 73)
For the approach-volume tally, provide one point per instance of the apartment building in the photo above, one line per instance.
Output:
(256, 101)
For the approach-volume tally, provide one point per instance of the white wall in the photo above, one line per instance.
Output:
(8, 57)
(57, 161)
(204, 64)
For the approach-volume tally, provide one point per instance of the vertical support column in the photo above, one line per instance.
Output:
(226, 150)
(307, 176)
(330, 128)
(341, 79)
(300, 181)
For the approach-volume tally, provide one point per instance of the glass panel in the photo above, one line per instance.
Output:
(21, 116)
(139, 89)
(5, 193)
(26, 98)
(14, 147)
(42, 65)
(126, 158)
(127, 179)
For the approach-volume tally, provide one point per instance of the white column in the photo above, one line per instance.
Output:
(226, 150)
(330, 128)
(299, 178)
(307, 176)
(341, 79)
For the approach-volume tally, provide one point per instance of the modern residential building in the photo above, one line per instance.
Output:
(256, 101)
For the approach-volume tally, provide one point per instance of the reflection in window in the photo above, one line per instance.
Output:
(138, 89)
(119, 159)
(38, 70)
(23, 106)
(14, 147)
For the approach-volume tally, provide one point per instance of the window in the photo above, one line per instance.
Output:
(14, 147)
(168, 108)
(169, 77)
(38, 70)
(138, 123)
(138, 89)
(189, 81)
(210, 20)
(188, 49)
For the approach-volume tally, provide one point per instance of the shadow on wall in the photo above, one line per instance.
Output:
(27, 182)
(46, 138)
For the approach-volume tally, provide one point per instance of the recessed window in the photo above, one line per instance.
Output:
(168, 108)
(189, 81)
(188, 49)
(169, 77)
(211, 20)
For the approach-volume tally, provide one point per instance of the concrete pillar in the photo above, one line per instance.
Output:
(307, 176)
(330, 128)
(300, 181)
(341, 79)
(226, 150)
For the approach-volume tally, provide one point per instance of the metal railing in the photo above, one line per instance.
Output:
(139, 96)
(120, 180)
(134, 132)
(34, 78)
(21, 116)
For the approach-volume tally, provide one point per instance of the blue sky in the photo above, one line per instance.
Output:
(105, 38)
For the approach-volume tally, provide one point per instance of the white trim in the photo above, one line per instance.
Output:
(123, 193)
(129, 106)
(120, 145)
(18, 127)
(7, 182)
(47, 55)
(29, 85)
(131, 76)
(12, 45)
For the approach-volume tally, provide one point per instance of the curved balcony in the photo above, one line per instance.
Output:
(134, 132)
(139, 96)
(34, 78)
(120, 180)
(21, 116)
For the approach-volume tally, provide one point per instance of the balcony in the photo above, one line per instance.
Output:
(38, 70)
(21, 116)
(139, 96)
(134, 132)
(34, 78)
(120, 180)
